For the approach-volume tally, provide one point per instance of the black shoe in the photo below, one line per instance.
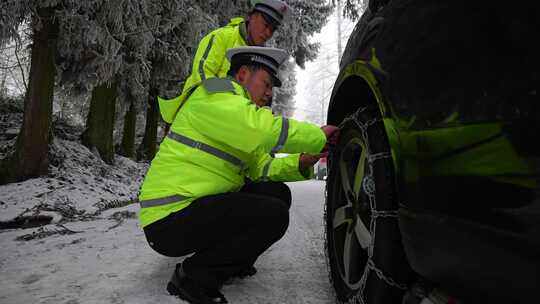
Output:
(185, 288)
(241, 274)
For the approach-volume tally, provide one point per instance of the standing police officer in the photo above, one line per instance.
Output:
(210, 61)
(193, 198)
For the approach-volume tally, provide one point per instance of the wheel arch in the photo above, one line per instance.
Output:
(350, 93)
(359, 85)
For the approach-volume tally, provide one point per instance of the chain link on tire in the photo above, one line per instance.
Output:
(375, 214)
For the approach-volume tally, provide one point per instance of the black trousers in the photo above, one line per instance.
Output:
(226, 232)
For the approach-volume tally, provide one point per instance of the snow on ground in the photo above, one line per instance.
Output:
(94, 251)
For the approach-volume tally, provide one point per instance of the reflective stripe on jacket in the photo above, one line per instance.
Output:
(209, 61)
(220, 115)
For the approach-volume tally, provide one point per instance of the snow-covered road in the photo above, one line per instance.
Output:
(102, 263)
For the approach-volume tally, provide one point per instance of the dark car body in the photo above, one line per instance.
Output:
(456, 86)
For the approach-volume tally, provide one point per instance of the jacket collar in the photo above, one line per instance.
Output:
(242, 28)
(242, 25)
(238, 88)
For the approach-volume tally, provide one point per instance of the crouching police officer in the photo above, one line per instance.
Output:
(193, 198)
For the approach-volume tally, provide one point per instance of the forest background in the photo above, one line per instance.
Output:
(92, 69)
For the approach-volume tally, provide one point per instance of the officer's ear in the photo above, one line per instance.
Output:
(243, 74)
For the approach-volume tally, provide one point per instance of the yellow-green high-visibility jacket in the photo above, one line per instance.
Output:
(217, 139)
(209, 61)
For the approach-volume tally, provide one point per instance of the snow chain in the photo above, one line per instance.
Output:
(368, 185)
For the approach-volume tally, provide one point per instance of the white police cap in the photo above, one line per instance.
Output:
(268, 57)
(277, 10)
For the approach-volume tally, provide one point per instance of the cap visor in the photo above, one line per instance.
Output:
(270, 20)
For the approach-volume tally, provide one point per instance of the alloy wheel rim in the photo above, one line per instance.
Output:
(351, 234)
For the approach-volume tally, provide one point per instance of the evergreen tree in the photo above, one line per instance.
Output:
(148, 146)
(128, 137)
(100, 122)
(105, 45)
(30, 158)
(177, 27)
(308, 17)
(180, 27)
(282, 102)
(220, 12)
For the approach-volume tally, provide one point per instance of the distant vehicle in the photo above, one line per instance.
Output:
(320, 169)
(433, 187)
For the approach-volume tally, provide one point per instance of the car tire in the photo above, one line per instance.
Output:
(365, 256)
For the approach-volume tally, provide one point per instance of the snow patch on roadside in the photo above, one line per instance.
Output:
(79, 183)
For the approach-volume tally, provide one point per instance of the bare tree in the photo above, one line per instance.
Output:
(353, 8)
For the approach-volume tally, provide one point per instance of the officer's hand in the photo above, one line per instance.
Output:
(309, 160)
(332, 135)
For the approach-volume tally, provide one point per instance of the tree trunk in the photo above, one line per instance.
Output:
(147, 149)
(128, 137)
(100, 122)
(30, 158)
